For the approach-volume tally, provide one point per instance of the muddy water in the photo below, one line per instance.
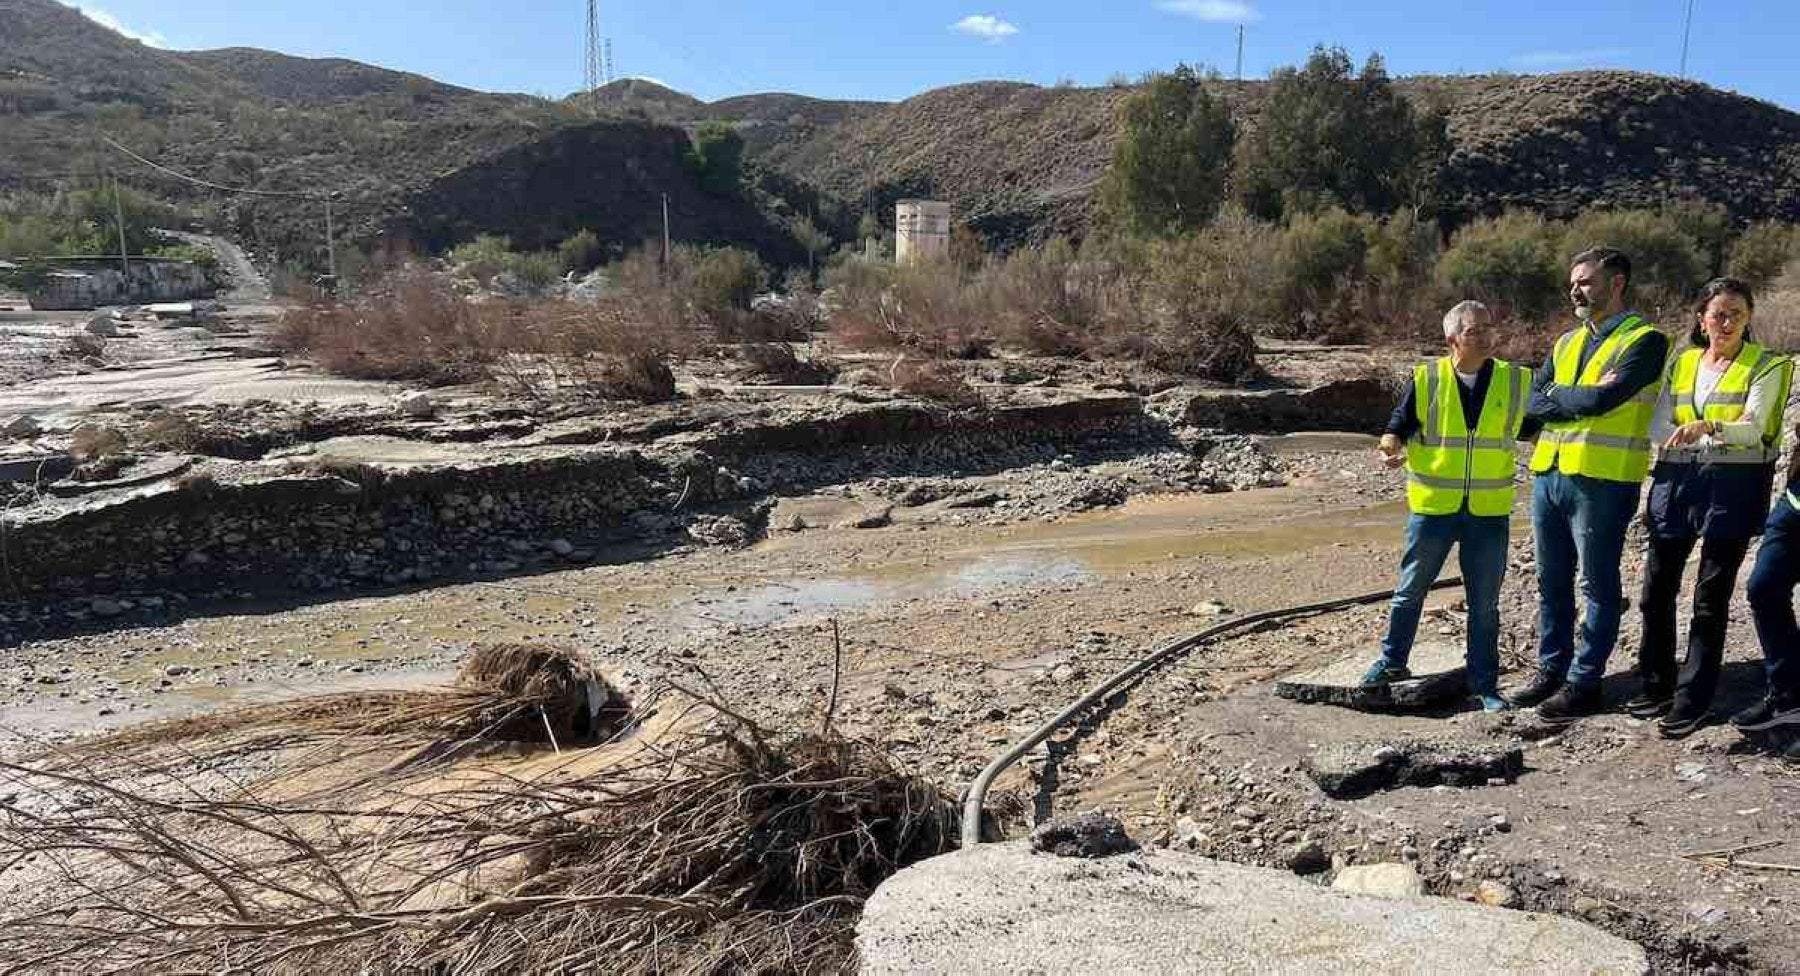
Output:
(1081, 549)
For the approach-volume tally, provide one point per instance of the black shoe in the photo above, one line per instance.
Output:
(1570, 703)
(1767, 714)
(1540, 688)
(1683, 719)
(1649, 703)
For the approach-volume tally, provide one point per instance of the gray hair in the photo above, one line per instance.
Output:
(1458, 316)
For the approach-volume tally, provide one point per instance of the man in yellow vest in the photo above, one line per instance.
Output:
(1454, 431)
(1595, 395)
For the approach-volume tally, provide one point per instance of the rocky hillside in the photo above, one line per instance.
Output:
(1021, 161)
(608, 177)
(241, 117)
(1018, 161)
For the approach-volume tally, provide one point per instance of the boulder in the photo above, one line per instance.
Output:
(1390, 880)
(1000, 909)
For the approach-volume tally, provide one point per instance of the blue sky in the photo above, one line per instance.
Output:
(851, 49)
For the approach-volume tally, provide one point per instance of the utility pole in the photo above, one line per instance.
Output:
(119, 220)
(330, 245)
(1240, 56)
(665, 231)
(1687, 25)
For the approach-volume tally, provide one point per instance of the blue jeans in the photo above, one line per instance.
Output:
(1481, 549)
(1771, 592)
(1580, 524)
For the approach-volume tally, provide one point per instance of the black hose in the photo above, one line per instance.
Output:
(971, 823)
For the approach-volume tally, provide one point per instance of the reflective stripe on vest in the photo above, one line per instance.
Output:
(1614, 446)
(1447, 464)
(1726, 404)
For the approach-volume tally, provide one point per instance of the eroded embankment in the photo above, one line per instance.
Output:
(365, 511)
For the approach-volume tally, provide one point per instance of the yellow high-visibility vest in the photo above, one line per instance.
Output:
(1726, 404)
(1614, 446)
(1447, 462)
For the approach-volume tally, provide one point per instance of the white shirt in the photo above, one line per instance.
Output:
(1746, 431)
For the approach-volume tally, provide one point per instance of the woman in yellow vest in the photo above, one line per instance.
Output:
(1454, 431)
(1718, 426)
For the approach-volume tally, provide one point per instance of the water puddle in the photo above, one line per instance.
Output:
(1082, 549)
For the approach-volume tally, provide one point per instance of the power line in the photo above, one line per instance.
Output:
(195, 180)
(1687, 25)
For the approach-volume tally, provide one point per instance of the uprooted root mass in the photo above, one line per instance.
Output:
(738, 850)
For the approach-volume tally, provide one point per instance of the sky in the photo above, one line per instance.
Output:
(890, 51)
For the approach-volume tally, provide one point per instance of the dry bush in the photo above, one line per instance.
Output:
(931, 379)
(170, 430)
(1048, 302)
(618, 348)
(1776, 322)
(1195, 311)
(92, 441)
(84, 346)
(928, 309)
(409, 326)
(776, 362)
(735, 851)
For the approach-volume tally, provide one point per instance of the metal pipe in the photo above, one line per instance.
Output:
(971, 823)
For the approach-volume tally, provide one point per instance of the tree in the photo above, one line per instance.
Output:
(716, 156)
(1328, 137)
(1169, 170)
(808, 235)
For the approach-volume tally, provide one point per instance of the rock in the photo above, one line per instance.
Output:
(1209, 608)
(1065, 673)
(876, 519)
(979, 499)
(105, 607)
(176, 670)
(1352, 769)
(1495, 894)
(415, 404)
(1308, 857)
(1438, 676)
(562, 547)
(1390, 880)
(1083, 835)
(21, 426)
(102, 325)
(1000, 909)
(1188, 834)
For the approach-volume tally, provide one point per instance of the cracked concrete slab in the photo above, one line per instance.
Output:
(1000, 909)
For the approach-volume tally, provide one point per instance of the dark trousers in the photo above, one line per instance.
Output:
(1699, 674)
(1771, 592)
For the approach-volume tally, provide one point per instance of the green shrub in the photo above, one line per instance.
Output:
(723, 279)
(536, 270)
(1512, 262)
(1317, 255)
(484, 257)
(1762, 253)
(580, 251)
(1666, 263)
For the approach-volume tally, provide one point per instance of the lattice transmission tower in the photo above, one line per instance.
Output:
(595, 67)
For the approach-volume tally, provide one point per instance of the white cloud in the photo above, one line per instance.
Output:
(1211, 11)
(989, 28)
(1570, 59)
(112, 23)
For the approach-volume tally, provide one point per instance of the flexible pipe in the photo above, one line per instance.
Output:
(971, 823)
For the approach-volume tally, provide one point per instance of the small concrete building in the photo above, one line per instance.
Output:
(921, 231)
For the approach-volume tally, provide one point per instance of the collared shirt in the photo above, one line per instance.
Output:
(1638, 367)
